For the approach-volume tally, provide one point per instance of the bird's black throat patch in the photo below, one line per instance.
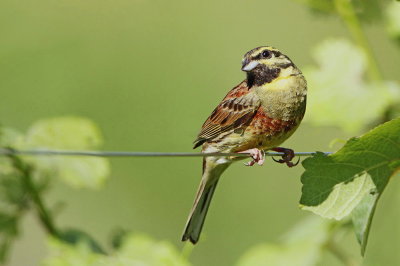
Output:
(261, 75)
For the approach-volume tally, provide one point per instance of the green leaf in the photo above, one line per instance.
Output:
(62, 254)
(352, 179)
(362, 217)
(144, 250)
(302, 246)
(135, 250)
(64, 133)
(339, 95)
(10, 137)
(327, 198)
(76, 171)
(69, 133)
(393, 19)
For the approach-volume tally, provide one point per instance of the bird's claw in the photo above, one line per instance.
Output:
(287, 157)
(257, 155)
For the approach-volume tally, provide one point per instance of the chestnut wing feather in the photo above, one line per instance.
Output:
(235, 111)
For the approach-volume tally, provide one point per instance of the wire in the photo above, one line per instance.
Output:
(45, 152)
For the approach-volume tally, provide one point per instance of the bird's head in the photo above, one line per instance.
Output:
(265, 63)
(264, 56)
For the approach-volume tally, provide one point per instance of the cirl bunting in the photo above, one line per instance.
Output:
(258, 114)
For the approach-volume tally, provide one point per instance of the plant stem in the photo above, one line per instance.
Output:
(345, 9)
(43, 213)
(336, 230)
(340, 255)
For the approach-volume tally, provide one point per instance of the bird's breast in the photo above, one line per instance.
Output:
(267, 132)
(284, 98)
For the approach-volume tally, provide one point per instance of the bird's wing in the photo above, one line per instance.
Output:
(235, 111)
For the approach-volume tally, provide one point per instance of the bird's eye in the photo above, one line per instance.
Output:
(266, 54)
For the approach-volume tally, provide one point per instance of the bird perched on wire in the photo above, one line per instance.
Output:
(258, 114)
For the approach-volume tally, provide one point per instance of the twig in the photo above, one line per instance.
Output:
(345, 9)
(42, 211)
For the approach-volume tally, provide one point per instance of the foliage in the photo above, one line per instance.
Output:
(23, 179)
(135, 250)
(301, 246)
(346, 183)
(368, 10)
(350, 93)
(339, 91)
(352, 179)
(68, 133)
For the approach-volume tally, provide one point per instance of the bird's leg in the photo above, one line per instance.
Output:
(287, 157)
(257, 155)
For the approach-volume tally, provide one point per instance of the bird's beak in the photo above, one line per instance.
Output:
(248, 65)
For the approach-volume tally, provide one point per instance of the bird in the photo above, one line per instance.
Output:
(258, 114)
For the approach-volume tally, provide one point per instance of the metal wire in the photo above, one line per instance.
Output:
(45, 152)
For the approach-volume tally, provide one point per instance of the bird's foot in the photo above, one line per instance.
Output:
(257, 155)
(287, 157)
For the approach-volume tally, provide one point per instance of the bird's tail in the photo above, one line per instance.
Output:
(197, 216)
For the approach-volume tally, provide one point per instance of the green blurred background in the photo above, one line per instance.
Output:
(149, 73)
